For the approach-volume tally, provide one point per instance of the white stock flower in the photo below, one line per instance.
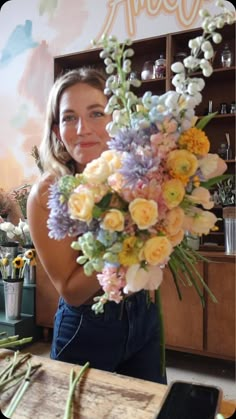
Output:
(217, 38)
(177, 67)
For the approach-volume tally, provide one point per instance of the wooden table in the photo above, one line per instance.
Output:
(100, 395)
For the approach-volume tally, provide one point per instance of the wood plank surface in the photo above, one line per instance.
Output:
(101, 395)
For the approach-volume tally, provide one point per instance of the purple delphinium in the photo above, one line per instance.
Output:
(129, 139)
(59, 222)
(136, 167)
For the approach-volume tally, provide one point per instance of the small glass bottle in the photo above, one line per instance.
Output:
(233, 107)
(226, 56)
(222, 151)
(160, 67)
(223, 108)
(147, 70)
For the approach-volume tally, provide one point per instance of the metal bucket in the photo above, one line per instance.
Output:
(13, 298)
(30, 275)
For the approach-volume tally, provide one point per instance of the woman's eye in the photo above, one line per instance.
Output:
(69, 118)
(97, 114)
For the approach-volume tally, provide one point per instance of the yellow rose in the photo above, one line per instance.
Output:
(173, 221)
(113, 159)
(143, 212)
(173, 192)
(113, 221)
(81, 204)
(97, 171)
(157, 250)
(181, 164)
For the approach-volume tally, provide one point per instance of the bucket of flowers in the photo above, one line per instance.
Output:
(18, 242)
(13, 280)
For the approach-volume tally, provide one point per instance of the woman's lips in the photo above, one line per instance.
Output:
(87, 144)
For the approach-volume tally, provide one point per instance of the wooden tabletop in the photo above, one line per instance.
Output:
(100, 394)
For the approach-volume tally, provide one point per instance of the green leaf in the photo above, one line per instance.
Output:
(204, 121)
(97, 212)
(209, 183)
(105, 201)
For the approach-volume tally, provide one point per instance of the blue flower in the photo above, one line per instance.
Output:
(59, 222)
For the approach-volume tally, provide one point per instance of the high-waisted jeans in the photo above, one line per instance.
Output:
(124, 339)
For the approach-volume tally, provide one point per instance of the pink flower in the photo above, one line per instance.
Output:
(112, 281)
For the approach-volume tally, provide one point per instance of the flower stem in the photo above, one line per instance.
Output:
(162, 331)
(73, 382)
(9, 343)
(19, 393)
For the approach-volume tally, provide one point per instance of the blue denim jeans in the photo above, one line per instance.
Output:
(124, 339)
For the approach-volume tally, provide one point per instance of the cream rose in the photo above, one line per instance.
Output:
(97, 171)
(157, 250)
(81, 204)
(143, 212)
(113, 221)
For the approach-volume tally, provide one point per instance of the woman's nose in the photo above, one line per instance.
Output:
(83, 126)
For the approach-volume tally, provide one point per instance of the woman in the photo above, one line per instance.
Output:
(125, 338)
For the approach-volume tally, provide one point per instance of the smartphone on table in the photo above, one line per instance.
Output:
(186, 400)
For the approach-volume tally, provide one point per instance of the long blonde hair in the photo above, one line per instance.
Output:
(53, 156)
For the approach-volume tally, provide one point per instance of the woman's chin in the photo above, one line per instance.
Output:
(84, 158)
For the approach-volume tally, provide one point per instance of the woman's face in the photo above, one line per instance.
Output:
(82, 123)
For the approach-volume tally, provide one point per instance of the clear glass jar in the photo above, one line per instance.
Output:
(147, 70)
(160, 67)
(226, 56)
(180, 56)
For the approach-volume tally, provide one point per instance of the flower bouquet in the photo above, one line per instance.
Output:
(131, 207)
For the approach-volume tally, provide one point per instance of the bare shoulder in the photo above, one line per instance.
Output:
(40, 190)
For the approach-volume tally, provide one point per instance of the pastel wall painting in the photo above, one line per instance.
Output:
(35, 31)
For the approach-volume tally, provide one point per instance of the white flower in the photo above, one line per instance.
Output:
(138, 278)
(217, 38)
(177, 67)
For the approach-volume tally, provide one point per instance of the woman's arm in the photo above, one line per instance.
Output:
(57, 257)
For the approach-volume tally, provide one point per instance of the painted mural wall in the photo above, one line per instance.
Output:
(32, 32)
